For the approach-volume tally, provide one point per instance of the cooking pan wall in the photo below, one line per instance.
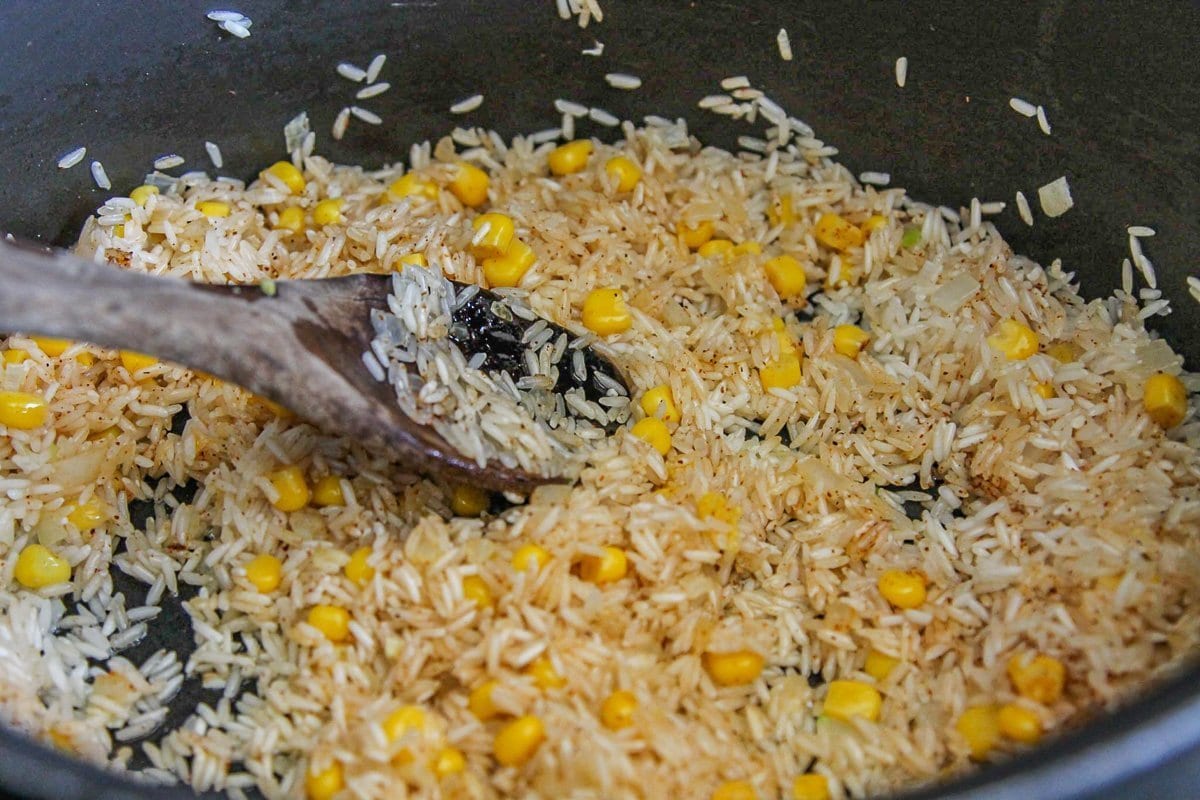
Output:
(1121, 84)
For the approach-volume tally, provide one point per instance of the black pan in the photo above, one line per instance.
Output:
(1120, 82)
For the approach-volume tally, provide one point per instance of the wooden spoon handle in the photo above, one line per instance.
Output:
(54, 293)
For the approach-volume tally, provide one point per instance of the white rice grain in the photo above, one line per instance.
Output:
(901, 71)
(467, 105)
(351, 72)
(237, 28)
(1140, 231)
(1022, 107)
(369, 117)
(214, 154)
(1023, 209)
(622, 80)
(1043, 123)
(602, 117)
(785, 44)
(100, 176)
(714, 100)
(168, 161)
(875, 178)
(374, 90)
(375, 67)
(570, 107)
(72, 158)
(340, 123)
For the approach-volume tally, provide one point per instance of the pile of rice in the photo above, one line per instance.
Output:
(1063, 526)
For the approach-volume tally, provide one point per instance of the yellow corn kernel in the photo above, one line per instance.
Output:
(15, 356)
(1019, 724)
(781, 211)
(135, 362)
(403, 720)
(141, 195)
(840, 273)
(660, 402)
(291, 219)
(357, 569)
(605, 312)
(22, 410)
(411, 184)
(715, 247)
(39, 566)
(292, 488)
(287, 172)
(85, 358)
(902, 589)
(734, 668)
(749, 247)
(119, 230)
(787, 276)
(51, 346)
(811, 786)
(716, 506)
(1016, 341)
(570, 157)
(784, 371)
(328, 492)
(1165, 400)
(448, 761)
(415, 259)
(617, 710)
(980, 727)
(837, 233)
(781, 374)
(493, 235)
(735, 790)
(847, 699)
(653, 431)
(213, 208)
(1039, 679)
(265, 571)
(480, 703)
(530, 556)
(519, 740)
(849, 340)
(510, 268)
(328, 212)
(1064, 352)
(1043, 389)
(469, 501)
(88, 516)
(624, 172)
(333, 621)
(878, 665)
(544, 675)
(607, 568)
(470, 185)
(873, 223)
(694, 237)
(475, 589)
(325, 784)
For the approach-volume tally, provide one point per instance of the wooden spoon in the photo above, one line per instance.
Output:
(299, 343)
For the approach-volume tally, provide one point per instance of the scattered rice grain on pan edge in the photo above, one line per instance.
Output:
(733, 543)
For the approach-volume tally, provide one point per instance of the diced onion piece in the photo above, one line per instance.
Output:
(1055, 197)
(951, 295)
